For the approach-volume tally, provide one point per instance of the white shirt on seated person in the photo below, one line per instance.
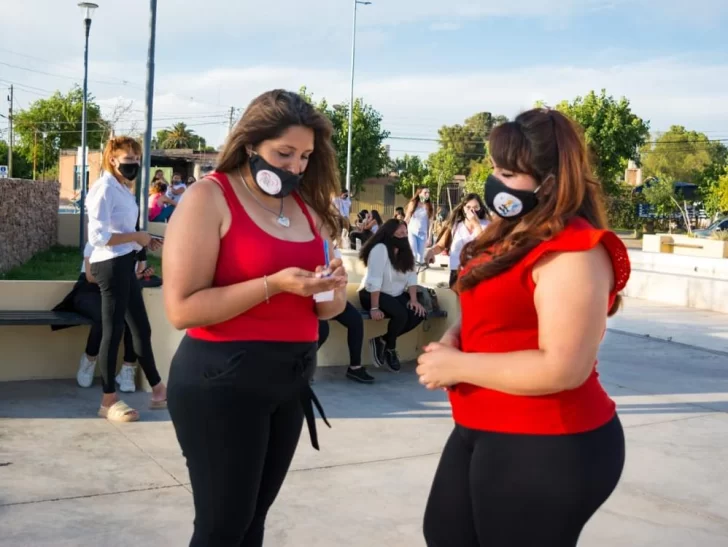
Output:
(381, 275)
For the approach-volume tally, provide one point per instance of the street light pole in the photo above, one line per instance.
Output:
(143, 188)
(88, 9)
(351, 96)
(45, 135)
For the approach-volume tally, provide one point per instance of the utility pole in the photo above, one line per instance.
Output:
(142, 187)
(35, 153)
(232, 115)
(10, 143)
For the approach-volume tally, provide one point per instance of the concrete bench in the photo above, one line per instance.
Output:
(42, 318)
(435, 314)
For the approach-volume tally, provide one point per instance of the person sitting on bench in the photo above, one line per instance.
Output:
(389, 289)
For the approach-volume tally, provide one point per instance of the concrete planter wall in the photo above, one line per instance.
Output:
(684, 245)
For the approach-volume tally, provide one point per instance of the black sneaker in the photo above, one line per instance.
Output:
(378, 346)
(359, 375)
(392, 360)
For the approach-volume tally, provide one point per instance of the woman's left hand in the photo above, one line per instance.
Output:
(155, 244)
(418, 308)
(435, 367)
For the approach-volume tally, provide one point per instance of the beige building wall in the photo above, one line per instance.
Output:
(66, 170)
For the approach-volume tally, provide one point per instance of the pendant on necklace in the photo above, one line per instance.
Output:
(284, 221)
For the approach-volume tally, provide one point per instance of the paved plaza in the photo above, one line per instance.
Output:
(70, 479)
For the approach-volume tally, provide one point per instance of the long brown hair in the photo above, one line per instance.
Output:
(115, 145)
(416, 200)
(548, 146)
(403, 260)
(457, 216)
(267, 117)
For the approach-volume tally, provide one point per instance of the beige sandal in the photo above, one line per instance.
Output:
(119, 412)
(158, 405)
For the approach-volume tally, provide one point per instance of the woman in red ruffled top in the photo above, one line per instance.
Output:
(537, 446)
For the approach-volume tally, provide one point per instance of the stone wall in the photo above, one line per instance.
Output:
(28, 219)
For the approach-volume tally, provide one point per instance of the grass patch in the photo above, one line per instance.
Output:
(59, 263)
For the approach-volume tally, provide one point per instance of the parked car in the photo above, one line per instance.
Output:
(717, 226)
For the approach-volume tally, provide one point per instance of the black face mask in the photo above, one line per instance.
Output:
(129, 171)
(506, 202)
(275, 182)
(400, 242)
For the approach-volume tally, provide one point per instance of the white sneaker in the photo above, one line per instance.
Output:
(125, 379)
(85, 374)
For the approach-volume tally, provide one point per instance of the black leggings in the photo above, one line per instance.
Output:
(237, 409)
(87, 302)
(121, 299)
(506, 490)
(352, 320)
(401, 319)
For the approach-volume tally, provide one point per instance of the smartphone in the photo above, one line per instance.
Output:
(158, 238)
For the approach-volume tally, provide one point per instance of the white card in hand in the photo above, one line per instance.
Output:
(326, 296)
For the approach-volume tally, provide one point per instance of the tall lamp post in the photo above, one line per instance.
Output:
(351, 95)
(142, 187)
(87, 8)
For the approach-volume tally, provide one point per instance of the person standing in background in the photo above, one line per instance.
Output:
(113, 217)
(419, 217)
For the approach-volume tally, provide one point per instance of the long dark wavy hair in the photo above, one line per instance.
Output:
(267, 117)
(457, 215)
(403, 260)
(548, 146)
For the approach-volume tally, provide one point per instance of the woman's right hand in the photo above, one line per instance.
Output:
(143, 239)
(304, 283)
(377, 315)
(430, 255)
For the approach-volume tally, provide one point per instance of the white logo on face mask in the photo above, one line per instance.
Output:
(269, 182)
(507, 205)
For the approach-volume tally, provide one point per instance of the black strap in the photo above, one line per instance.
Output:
(309, 400)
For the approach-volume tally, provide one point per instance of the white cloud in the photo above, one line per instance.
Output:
(664, 91)
(445, 27)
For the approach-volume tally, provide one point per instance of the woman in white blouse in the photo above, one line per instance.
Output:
(466, 222)
(419, 217)
(112, 219)
(389, 289)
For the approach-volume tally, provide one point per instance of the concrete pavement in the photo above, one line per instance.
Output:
(70, 479)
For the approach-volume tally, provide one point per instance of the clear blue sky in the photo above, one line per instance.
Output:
(422, 63)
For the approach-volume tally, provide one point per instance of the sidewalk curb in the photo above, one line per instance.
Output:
(668, 341)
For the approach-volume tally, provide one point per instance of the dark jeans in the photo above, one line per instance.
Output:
(237, 409)
(121, 300)
(401, 319)
(362, 236)
(87, 302)
(506, 490)
(352, 320)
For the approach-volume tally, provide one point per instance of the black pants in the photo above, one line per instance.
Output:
(121, 299)
(504, 490)
(237, 409)
(361, 236)
(87, 302)
(352, 320)
(401, 319)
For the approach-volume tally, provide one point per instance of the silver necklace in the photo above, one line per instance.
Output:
(281, 219)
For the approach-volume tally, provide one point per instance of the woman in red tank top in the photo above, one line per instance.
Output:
(244, 257)
(537, 445)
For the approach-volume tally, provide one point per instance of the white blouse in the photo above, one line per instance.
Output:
(419, 223)
(461, 236)
(381, 276)
(112, 209)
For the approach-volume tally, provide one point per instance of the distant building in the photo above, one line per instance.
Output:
(186, 162)
(633, 174)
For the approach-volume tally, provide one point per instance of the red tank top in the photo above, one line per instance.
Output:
(248, 252)
(499, 315)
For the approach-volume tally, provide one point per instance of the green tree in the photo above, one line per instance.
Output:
(662, 196)
(59, 116)
(613, 132)
(412, 173)
(709, 180)
(479, 171)
(179, 136)
(369, 157)
(442, 166)
(468, 141)
(717, 195)
(679, 154)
